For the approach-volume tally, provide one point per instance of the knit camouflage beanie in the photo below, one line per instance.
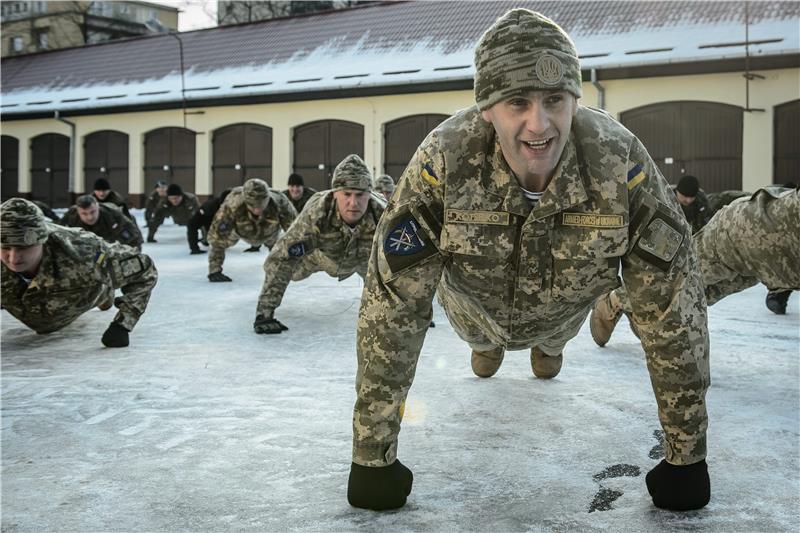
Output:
(256, 193)
(384, 183)
(22, 224)
(524, 51)
(352, 173)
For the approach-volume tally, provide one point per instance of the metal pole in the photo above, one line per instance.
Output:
(183, 80)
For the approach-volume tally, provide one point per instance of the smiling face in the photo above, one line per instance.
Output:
(352, 204)
(533, 128)
(295, 191)
(22, 259)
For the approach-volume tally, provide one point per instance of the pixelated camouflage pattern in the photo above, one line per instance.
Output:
(532, 281)
(77, 272)
(112, 225)
(384, 184)
(22, 223)
(328, 245)
(699, 212)
(181, 213)
(256, 193)
(352, 173)
(233, 221)
(753, 240)
(511, 54)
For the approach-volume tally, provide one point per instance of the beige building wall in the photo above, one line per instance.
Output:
(374, 112)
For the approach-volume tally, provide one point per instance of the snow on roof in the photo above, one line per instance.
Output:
(379, 45)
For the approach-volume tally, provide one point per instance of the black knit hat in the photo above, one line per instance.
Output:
(296, 179)
(101, 184)
(688, 186)
(174, 190)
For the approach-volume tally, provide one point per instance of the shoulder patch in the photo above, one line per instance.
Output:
(223, 226)
(635, 176)
(429, 175)
(100, 259)
(297, 250)
(406, 243)
(131, 266)
(660, 242)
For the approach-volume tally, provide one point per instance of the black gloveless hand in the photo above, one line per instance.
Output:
(379, 487)
(679, 488)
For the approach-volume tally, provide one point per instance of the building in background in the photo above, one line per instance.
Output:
(36, 26)
(244, 11)
(711, 88)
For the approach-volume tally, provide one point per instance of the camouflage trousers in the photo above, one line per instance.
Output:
(477, 332)
(218, 244)
(279, 273)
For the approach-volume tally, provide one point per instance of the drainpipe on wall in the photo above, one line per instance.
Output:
(601, 91)
(73, 146)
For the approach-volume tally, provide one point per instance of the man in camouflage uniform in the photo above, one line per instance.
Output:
(384, 184)
(333, 234)
(752, 240)
(52, 274)
(179, 205)
(157, 196)
(105, 220)
(104, 193)
(519, 212)
(254, 213)
(694, 202)
(201, 222)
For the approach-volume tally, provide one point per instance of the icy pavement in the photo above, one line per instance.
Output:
(201, 425)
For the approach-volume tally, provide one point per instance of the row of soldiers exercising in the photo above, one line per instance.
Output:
(52, 274)
(755, 239)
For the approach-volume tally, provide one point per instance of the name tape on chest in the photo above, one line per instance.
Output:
(489, 218)
(592, 220)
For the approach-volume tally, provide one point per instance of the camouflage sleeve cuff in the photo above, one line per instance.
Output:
(126, 320)
(374, 454)
(685, 453)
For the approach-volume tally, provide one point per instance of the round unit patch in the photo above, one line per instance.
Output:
(31, 236)
(549, 70)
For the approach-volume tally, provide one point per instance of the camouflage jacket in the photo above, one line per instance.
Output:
(698, 213)
(319, 236)
(234, 219)
(752, 240)
(301, 202)
(718, 200)
(181, 213)
(112, 225)
(518, 276)
(77, 270)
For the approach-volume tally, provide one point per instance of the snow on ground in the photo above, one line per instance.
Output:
(201, 425)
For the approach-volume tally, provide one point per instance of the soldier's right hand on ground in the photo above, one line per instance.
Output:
(198, 251)
(268, 325)
(218, 276)
(379, 487)
(679, 487)
(115, 336)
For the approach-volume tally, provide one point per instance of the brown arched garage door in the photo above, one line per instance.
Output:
(787, 143)
(50, 169)
(241, 152)
(169, 154)
(320, 146)
(401, 138)
(9, 168)
(703, 139)
(105, 155)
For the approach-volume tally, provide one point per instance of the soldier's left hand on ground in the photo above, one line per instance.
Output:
(679, 488)
(115, 336)
(268, 325)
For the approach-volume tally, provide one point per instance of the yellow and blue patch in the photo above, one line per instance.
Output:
(429, 175)
(635, 176)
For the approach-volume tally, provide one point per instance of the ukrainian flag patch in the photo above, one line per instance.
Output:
(635, 176)
(429, 175)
